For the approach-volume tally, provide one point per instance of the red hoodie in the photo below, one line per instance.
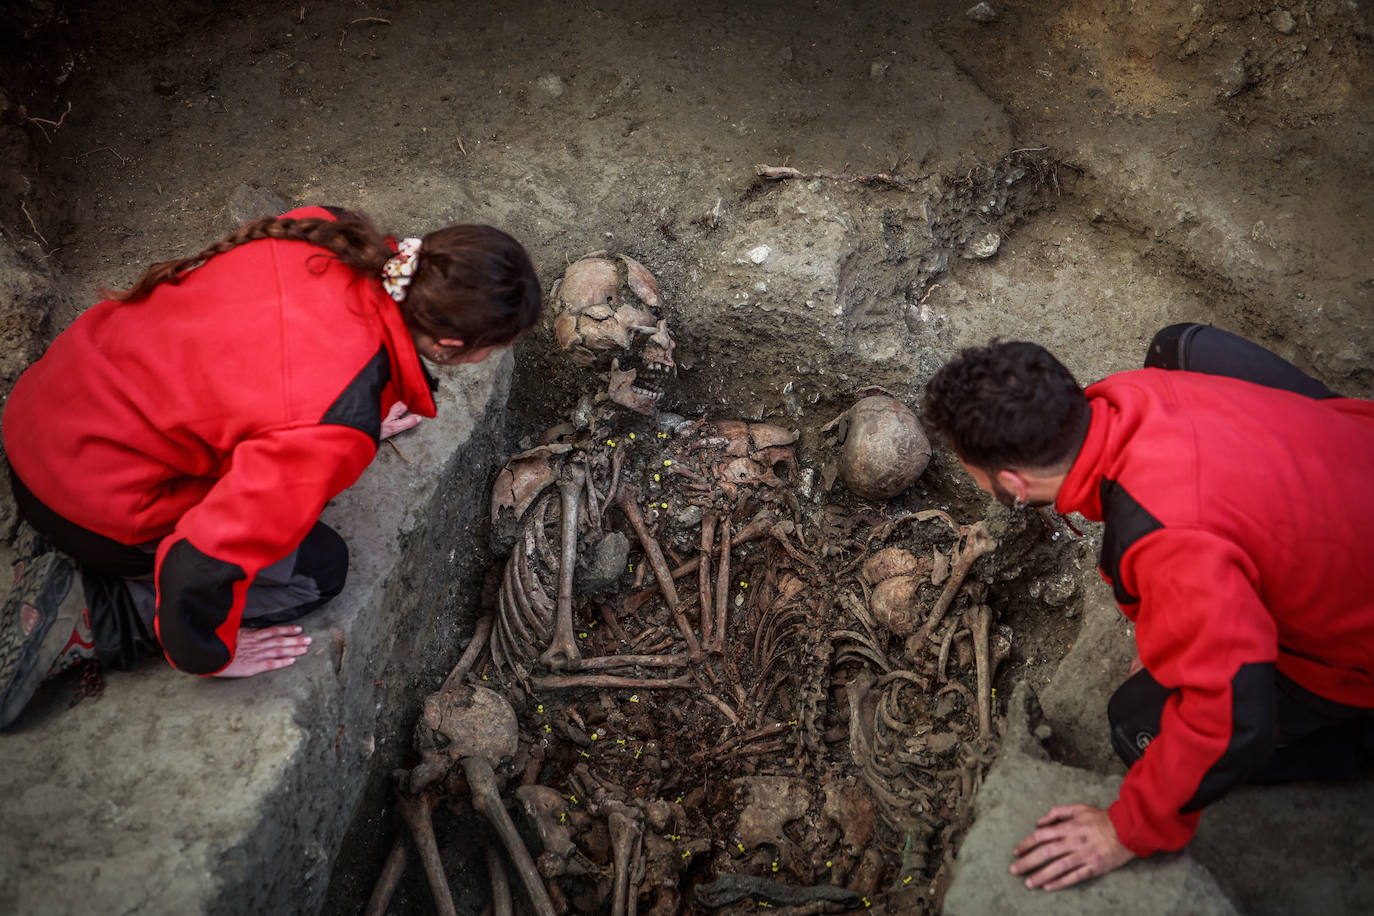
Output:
(1238, 525)
(217, 416)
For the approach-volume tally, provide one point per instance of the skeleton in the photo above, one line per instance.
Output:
(711, 508)
(607, 319)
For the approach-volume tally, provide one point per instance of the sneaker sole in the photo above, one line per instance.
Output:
(44, 584)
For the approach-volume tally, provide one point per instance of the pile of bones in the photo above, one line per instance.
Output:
(703, 688)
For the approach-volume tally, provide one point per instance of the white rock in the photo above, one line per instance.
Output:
(760, 254)
(982, 12)
(983, 247)
(551, 83)
(1282, 20)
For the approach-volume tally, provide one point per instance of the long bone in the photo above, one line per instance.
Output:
(981, 624)
(708, 527)
(560, 681)
(486, 799)
(385, 888)
(501, 903)
(628, 500)
(722, 586)
(415, 811)
(624, 837)
(563, 649)
(979, 542)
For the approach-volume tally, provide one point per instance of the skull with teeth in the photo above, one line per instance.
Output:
(607, 319)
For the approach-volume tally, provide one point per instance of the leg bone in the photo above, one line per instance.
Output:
(563, 649)
(485, 798)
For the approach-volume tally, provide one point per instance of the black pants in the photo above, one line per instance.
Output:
(120, 593)
(1318, 738)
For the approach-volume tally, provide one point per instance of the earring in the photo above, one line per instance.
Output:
(1019, 503)
(440, 354)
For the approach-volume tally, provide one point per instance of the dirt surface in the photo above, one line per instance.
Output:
(1079, 174)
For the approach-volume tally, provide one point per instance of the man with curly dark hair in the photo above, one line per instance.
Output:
(1238, 504)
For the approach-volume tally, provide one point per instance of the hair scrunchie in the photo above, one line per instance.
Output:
(400, 268)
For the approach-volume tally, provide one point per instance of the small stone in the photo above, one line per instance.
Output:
(251, 201)
(551, 83)
(982, 12)
(760, 254)
(1282, 21)
(983, 247)
(1043, 732)
(878, 69)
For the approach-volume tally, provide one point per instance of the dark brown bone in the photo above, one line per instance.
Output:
(708, 528)
(415, 811)
(486, 799)
(560, 681)
(978, 543)
(628, 500)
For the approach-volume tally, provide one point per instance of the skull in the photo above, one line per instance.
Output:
(601, 326)
(882, 447)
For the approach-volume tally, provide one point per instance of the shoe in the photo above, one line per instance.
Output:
(37, 602)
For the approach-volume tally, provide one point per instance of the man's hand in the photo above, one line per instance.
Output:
(266, 650)
(1072, 843)
(398, 419)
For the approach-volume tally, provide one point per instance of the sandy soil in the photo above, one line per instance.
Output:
(1136, 164)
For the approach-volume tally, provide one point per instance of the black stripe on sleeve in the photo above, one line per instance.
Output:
(1126, 521)
(360, 404)
(195, 595)
(1254, 733)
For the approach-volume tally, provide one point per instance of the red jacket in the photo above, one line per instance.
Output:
(217, 416)
(1238, 526)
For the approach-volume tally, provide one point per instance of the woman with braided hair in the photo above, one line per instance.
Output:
(173, 448)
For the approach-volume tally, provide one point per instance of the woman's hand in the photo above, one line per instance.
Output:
(266, 650)
(398, 419)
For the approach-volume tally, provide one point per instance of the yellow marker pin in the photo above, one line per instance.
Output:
(585, 754)
(663, 505)
(595, 736)
(907, 879)
(562, 817)
(674, 837)
(541, 707)
(687, 854)
(775, 866)
(667, 463)
(548, 728)
(994, 693)
(634, 698)
(663, 435)
(678, 801)
(744, 585)
(637, 752)
(741, 846)
(619, 740)
(829, 864)
(611, 443)
(632, 435)
(582, 635)
(573, 799)
(865, 902)
(657, 478)
(632, 567)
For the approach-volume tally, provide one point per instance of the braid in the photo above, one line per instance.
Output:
(351, 237)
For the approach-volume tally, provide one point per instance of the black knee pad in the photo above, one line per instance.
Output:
(323, 556)
(1134, 713)
(1169, 348)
